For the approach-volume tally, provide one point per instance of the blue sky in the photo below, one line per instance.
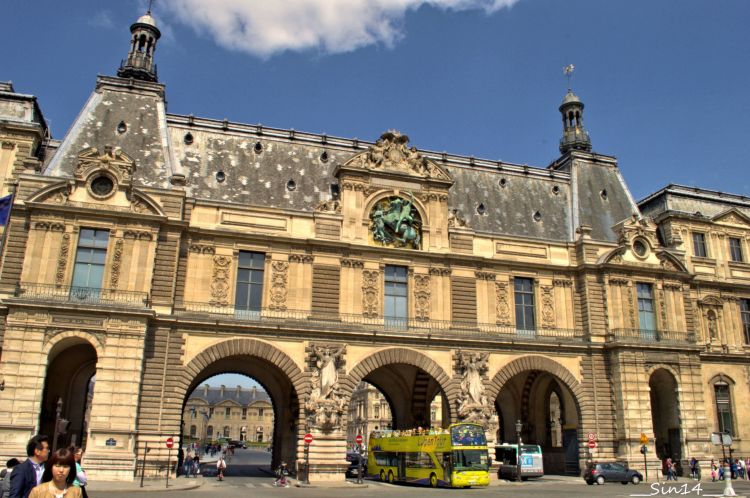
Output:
(666, 83)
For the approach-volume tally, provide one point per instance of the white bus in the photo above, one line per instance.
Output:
(531, 461)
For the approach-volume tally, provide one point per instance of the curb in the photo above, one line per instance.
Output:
(101, 487)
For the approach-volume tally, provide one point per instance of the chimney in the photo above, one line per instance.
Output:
(221, 391)
(239, 390)
(253, 392)
(205, 390)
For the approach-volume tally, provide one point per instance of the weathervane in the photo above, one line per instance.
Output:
(568, 71)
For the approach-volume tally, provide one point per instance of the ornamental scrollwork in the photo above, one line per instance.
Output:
(114, 279)
(279, 278)
(548, 307)
(62, 259)
(396, 222)
(220, 280)
(502, 309)
(370, 293)
(422, 297)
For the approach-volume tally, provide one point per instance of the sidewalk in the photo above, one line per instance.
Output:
(149, 485)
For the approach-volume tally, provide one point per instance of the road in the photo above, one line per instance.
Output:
(248, 474)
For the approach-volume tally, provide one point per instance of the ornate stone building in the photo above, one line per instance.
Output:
(155, 250)
(234, 413)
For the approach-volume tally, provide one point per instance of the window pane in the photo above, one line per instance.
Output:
(395, 290)
(735, 249)
(699, 245)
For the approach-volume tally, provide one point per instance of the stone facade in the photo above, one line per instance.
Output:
(155, 250)
(235, 413)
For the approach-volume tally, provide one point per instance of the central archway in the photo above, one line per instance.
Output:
(544, 396)
(409, 381)
(665, 415)
(276, 372)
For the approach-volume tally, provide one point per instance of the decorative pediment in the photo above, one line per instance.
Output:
(113, 160)
(634, 227)
(732, 217)
(391, 154)
(711, 301)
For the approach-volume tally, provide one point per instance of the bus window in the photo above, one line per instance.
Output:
(531, 449)
(468, 435)
(470, 460)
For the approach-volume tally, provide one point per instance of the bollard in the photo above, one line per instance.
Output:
(728, 489)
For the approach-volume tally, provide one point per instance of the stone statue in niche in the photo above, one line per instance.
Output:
(325, 404)
(473, 405)
(396, 222)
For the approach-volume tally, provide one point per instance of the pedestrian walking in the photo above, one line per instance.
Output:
(58, 477)
(188, 465)
(81, 479)
(693, 467)
(221, 466)
(196, 466)
(5, 475)
(669, 467)
(713, 470)
(28, 475)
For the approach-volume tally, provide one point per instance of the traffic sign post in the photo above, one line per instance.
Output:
(308, 440)
(358, 440)
(592, 444)
(170, 444)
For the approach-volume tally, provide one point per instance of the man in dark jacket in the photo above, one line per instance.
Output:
(29, 474)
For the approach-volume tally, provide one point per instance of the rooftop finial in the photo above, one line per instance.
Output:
(568, 71)
(150, 4)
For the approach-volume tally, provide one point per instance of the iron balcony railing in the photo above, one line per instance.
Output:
(82, 295)
(651, 336)
(358, 322)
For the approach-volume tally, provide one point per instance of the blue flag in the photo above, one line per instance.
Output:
(5, 204)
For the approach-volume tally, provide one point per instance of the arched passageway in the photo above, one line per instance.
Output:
(550, 416)
(273, 370)
(665, 415)
(69, 384)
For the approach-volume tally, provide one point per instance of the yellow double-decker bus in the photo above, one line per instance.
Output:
(454, 457)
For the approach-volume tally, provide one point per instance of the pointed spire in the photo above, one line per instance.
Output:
(140, 62)
(575, 136)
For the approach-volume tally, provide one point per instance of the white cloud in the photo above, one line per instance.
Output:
(267, 27)
(102, 19)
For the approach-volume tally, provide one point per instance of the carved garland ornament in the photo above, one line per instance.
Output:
(548, 307)
(114, 279)
(62, 259)
(502, 309)
(220, 280)
(370, 293)
(279, 278)
(422, 297)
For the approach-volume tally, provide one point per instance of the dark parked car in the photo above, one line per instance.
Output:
(610, 471)
(353, 459)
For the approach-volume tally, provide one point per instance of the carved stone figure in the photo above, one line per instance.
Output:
(473, 405)
(325, 404)
(395, 221)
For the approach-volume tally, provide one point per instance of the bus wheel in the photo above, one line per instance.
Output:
(433, 481)
(382, 476)
(391, 479)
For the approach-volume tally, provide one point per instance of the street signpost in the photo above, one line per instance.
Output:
(358, 440)
(644, 450)
(592, 444)
(308, 441)
(170, 444)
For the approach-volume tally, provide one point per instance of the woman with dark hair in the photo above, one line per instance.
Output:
(58, 477)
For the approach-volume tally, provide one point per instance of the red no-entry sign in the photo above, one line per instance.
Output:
(308, 438)
(358, 439)
(592, 444)
(170, 443)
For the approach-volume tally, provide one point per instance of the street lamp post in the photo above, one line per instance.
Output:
(519, 426)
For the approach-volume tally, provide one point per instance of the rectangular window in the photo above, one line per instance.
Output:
(646, 317)
(227, 412)
(88, 272)
(735, 249)
(244, 414)
(723, 407)
(377, 411)
(395, 304)
(699, 245)
(745, 315)
(249, 292)
(260, 412)
(524, 295)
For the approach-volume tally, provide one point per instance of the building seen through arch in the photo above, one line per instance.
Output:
(148, 251)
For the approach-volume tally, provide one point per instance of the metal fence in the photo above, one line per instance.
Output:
(82, 295)
(385, 325)
(651, 336)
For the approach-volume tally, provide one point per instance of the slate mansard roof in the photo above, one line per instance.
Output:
(168, 147)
